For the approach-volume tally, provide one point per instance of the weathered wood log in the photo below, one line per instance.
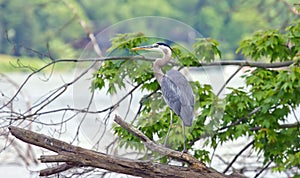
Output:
(74, 156)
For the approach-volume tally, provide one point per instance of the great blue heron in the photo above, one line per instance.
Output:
(175, 88)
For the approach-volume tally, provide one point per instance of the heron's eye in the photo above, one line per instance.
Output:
(155, 45)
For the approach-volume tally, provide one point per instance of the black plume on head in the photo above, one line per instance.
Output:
(164, 44)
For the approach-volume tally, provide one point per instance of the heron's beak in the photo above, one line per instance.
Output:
(141, 48)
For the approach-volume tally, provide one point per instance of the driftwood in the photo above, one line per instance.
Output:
(73, 156)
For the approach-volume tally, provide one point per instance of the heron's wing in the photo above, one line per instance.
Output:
(185, 95)
(171, 94)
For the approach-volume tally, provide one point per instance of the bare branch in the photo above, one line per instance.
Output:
(227, 81)
(241, 119)
(283, 126)
(215, 63)
(55, 170)
(236, 156)
(263, 169)
(250, 64)
(77, 156)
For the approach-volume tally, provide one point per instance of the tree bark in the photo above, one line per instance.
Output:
(74, 156)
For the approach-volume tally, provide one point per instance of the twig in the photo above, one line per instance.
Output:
(237, 155)
(263, 169)
(241, 119)
(228, 80)
(84, 116)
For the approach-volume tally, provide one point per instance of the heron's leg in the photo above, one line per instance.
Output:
(184, 138)
(171, 122)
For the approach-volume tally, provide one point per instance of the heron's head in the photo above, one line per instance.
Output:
(160, 47)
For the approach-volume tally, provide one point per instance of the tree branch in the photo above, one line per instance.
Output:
(283, 126)
(55, 170)
(241, 119)
(158, 148)
(73, 156)
(236, 156)
(215, 63)
(263, 169)
(228, 80)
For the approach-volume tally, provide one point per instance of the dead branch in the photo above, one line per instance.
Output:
(55, 170)
(159, 148)
(73, 156)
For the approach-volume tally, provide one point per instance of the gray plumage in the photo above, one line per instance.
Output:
(178, 94)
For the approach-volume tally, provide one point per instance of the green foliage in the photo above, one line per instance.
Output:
(126, 41)
(206, 49)
(272, 44)
(276, 93)
(279, 98)
(114, 72)
(269, 44)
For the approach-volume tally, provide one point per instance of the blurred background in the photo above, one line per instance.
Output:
(51, 26)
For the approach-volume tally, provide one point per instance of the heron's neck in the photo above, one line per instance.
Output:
(159, 63)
